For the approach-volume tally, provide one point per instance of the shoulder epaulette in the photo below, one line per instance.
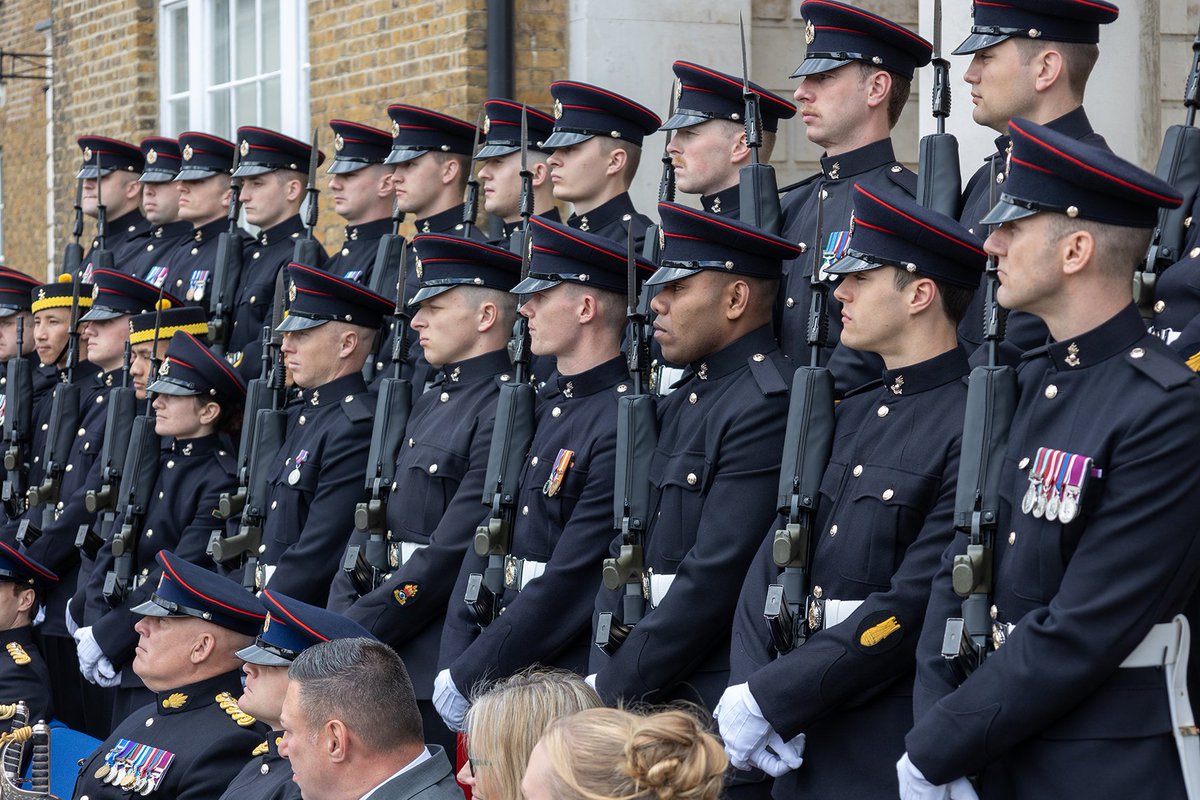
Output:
(356, 408)
(1164, 370)
(18, 654)
(766, 375)
(798, 184)
(229, 705)
(904, 178)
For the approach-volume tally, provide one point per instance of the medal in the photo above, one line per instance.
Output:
(562, 462)
(293, 477)
(104, 770)
(1058, 470)
(1030, 493)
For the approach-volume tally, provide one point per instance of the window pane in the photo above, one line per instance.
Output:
(219, 113)
(179, 48)
(220, 40)
(247, 46)
(178, 111)
(246, 105)
(268, 20)
(272, 115)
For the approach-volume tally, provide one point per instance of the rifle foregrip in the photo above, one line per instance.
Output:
(939, 181)
(758, 196)
(991, 401)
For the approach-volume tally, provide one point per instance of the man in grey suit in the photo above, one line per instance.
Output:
(352, 731)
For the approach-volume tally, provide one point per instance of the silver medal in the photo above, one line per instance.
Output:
(1030, 496)
(294, 477)
(1052, 506)
(1070, 505)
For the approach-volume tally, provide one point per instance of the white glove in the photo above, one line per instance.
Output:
(741, 724)
(88, 651)
(72, 626)
(105, 674)
(914, 786)
(449, 702)
(590, 680)
(778, 757)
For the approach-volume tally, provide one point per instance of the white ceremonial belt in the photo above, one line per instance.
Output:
(656, 587)
(518, 572)
(403, 551)
(1166, 647)
(666, 378)
(838, 611)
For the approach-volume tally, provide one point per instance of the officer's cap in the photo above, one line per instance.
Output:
(115, 294)
(264, 151)
(890, 229)
(162, 159)
(18, 568)
(449, 261)
(1052, 20)
(693, 240)
(190, 369)
(356, 146)
(192, 319)
(562, 254)
(704, 94)
(102, 155)
(60, 295)
(1052, 172)
(16, 290)
(291, 627)
(317, 297)
(582, 111)
(186, 590)
(417, 131)
(838, 33)
(502, 126)
(203, 155)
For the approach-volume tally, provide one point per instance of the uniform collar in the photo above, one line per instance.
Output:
(374, 229)
(85, 372)
(196, 447)
(1110, 338)
(334, 392)
(272, 743)
(932, 373)
(734, 356)
(487, 365)
(1074, 124)
(290, 228)
(726, 201)
(597, 379)
(22, 635)
(618, 209)
(199, 694)
(447, 221)
(180, 227)
(112, 378)
(509, 228)
(207, 231)
(856, 162)
(130, 224)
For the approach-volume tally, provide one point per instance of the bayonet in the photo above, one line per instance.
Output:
(471, 201)
(758, 194)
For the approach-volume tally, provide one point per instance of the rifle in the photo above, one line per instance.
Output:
(264, 426)
(368, 565)
(518, 242)
(307, 250)
(511, 438)
(227, 270)
(791, 611)
(991, 401)
(637, 436)
(388, 257)
(666, 191)
(18, 427)
(758, 189)
(471, 200)
(1178, 165)
(102, 257)
(118, 432)
(139, 475)
(939, 184)
(73, 252)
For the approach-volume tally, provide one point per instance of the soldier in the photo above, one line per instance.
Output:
(856, 76)
(1029, 59)
(23, 674)
(361, 186)
(109, 174)
(160, 204)
(196, 396)
(193, 739)
(500, 160)
(464, 317)
(351, 728)
(596, 147)
(431, 156)
(576, 305)
(1071, 700)
(327, 337)
(273, 169)
(717, 460)
(291, 627)
(204, 198)
(15, 305)
(708, 142)
(888, 508)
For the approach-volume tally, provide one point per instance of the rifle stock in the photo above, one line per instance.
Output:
(18, 428)
(139, 475)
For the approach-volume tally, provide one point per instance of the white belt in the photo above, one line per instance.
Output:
(1166, 647)
(656, 587)
(262, 575)
(838, 611)
(400, 552)
(518, 572)
(667, 376)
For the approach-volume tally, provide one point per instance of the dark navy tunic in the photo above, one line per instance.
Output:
(126, 236)
(356, 257)
(1050, 714)
(24, 676)
(268, 775)
(146, 262)
(612, 218)
(190, 264)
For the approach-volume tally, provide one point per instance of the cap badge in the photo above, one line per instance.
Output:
(558, 110)
(678, 91)
(41, 294)
(395, 129)
(87, 154)
(187, 152)
(95, 291)
(810, 32)
(339, 144)
(292, 291)
(244, 148)
(850, 232)
(662, 239)
(417, 266)
(266, 622)
(151, 156)
(165, 369)
(176, 700)
(487, 124)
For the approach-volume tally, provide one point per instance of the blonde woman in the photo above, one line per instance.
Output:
(608, 753)
(506, 721)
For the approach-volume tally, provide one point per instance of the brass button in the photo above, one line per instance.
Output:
(170, 465)
(691, 479)
(274, 504)
(1159, 306)
(1024, 462)
(857, 470)
(888, 494)
(1012, 537)
(1137, 352)
(833, 530)
(557, 412)
(790, 302)
(883, 411)
(264, 769)
(149, 722)
(692, 398)
(759, 357)
(525, 511)
(1051, 392)
(444, 396)
(433, 469)
(533, 461)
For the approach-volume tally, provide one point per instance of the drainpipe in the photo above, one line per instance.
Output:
(500, 57)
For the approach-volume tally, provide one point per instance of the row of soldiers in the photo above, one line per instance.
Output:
(513, 488)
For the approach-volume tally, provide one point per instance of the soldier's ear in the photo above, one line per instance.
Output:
(540, 171)
(736, 299)
(336, 740)
(1049, 69)
(1077, 250)
(386, 187)
(618, 157)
